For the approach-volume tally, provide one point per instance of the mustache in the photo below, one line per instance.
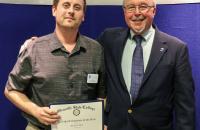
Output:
(139, 18)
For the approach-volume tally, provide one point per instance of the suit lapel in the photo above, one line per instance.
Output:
(120, 41)
(158, 50)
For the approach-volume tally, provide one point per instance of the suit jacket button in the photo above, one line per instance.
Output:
(130, 110)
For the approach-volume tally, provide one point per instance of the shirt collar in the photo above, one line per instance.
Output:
(55, 44)
(146, 35)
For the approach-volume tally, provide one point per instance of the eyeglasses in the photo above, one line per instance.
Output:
(141, 8)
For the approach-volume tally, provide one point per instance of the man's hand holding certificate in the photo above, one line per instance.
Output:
(79, 116)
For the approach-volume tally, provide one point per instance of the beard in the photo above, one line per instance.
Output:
(141, 29)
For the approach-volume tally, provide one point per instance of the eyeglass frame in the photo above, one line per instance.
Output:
(139, 7)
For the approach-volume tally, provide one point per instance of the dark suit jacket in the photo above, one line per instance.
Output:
(167, 86)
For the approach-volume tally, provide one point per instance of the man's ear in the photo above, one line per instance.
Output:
(53, 9)
(83, 19)
(154, 11)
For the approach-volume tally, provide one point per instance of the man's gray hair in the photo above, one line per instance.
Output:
(154, 2)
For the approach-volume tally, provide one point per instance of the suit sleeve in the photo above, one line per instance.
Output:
(101, 84)
(184, 101)
(100, 39)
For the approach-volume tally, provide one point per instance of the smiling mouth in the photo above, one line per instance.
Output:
(139, 19)
(69, 18)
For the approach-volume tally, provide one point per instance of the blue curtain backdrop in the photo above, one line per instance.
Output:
(19, 22)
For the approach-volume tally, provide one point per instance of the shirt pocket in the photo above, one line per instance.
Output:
(89, 88)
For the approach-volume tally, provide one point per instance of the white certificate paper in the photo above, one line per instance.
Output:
(79, 116)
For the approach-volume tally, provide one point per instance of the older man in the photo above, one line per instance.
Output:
(149, 76)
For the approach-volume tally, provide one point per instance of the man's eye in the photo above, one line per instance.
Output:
(77, 8)
(131, 8)
(143, 7)
(66, 6)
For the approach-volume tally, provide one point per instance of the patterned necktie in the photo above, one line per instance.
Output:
(137, 71)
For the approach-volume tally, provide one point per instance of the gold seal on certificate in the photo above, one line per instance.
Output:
(79, 116)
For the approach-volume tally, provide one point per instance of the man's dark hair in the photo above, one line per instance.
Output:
(55, 3)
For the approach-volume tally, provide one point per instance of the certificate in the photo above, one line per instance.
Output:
(79, 116)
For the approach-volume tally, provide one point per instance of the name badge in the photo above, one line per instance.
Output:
(92, 78)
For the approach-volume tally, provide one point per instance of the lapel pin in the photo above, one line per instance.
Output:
(162, 49)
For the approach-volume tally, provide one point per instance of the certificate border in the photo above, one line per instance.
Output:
(79, 102)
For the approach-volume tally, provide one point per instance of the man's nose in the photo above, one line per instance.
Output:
(137, 10)
(70, 9)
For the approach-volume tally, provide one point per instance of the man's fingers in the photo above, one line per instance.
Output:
(26, 43)
(46, 115)
(34, 38)
(49, 111)
(51, 114)
(48, 121)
